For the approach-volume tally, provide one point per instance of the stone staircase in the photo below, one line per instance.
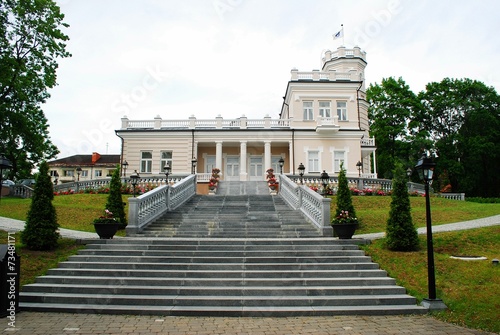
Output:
(226, 255)
(219, 277)
(232, 216)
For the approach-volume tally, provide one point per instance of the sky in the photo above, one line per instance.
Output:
(231, 58)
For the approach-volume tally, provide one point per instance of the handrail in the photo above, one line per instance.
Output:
(148, 207)
(311, 204)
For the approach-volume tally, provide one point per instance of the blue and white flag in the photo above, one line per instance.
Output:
(339, 34)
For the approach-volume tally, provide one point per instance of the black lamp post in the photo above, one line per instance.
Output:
(359, 165)
(134, 177)
(302, 168)
(281, 163)
(408, 173)
(5, 164)
(425, 167)
(193, 165)
(78, 171)
(325, 179)
(56, 176)
(124, 167)
(167, 170)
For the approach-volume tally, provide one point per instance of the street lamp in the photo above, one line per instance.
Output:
(281, 163)
(5, 164)
(325, 179)
(78, 171)
(408, 173)
(134, 177)
(124, 167)
(301, 172)
(193, 165)
(425, 167)
(167, 170)
(359, 165)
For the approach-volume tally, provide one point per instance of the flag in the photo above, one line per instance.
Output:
(339, 34)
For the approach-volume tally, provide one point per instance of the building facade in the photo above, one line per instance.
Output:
(323, 123)
(83, 167)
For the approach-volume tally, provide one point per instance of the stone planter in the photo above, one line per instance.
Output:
(107, 230)
(344, 230)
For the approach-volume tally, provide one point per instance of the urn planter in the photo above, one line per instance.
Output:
(344, 230)
(106, 230)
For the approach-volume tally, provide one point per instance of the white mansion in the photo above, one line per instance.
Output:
(323, 122)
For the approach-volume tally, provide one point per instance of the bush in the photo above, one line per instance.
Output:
(401, 232)
(115, 201)
(344, 200)
(40, 231)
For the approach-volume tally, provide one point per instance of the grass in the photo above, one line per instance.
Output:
(469, 289)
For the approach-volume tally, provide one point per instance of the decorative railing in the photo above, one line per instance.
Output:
(311, 204)
(453, 196)
(21, 191)
(146, 208)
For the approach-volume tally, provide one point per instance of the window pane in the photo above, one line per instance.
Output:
(166, 155)
(147, 154)
(342, 110)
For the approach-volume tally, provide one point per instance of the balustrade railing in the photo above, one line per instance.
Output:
(453, 196)
(21, 191)
(311, 204)
(149, 206)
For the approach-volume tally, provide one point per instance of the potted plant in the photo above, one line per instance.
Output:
(271, 180)
(344, 225)
(214, 181)
(106, 226)
(345, 221)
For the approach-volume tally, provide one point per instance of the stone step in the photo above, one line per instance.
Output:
(227, 311)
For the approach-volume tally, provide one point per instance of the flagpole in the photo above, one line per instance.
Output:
(342, 28)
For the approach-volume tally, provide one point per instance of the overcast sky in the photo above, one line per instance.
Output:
(233, 57)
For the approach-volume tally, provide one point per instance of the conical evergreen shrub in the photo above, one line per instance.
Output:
(400, 232)
(344, 199)
(40, 231)
(115, 202)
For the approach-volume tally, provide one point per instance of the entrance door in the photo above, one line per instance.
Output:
(232, 172)
(256, 168)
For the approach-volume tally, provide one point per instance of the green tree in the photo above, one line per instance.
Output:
(392, 105)
(401, 234)
(40, 230)
(30, 43)
(461, 118)
(115, 201)
(344, 199)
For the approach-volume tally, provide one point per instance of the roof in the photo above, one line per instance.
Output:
(87, 160)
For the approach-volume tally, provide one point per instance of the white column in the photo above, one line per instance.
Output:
(243, 161)
(267, 156)
(218, 155)
(291, 158)
(374, 164)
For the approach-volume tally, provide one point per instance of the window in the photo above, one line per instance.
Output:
(69, 173)
(210, 164)
(147, 161)
(166, 158)
(98, 173)
(308, 110)
(338, 158)
(53, 173)
(313, 161)
(324, 109)
(342, 110)
(85, 173)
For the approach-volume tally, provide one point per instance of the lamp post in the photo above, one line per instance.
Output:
(325, 179)
(193, 165)
(408, 173)
(167, 170)
(124, 168)
(359, 165)
(134, 177)
(425, 167)
(301, 172)
(78, 171)
(5, 164)
(281, 163)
